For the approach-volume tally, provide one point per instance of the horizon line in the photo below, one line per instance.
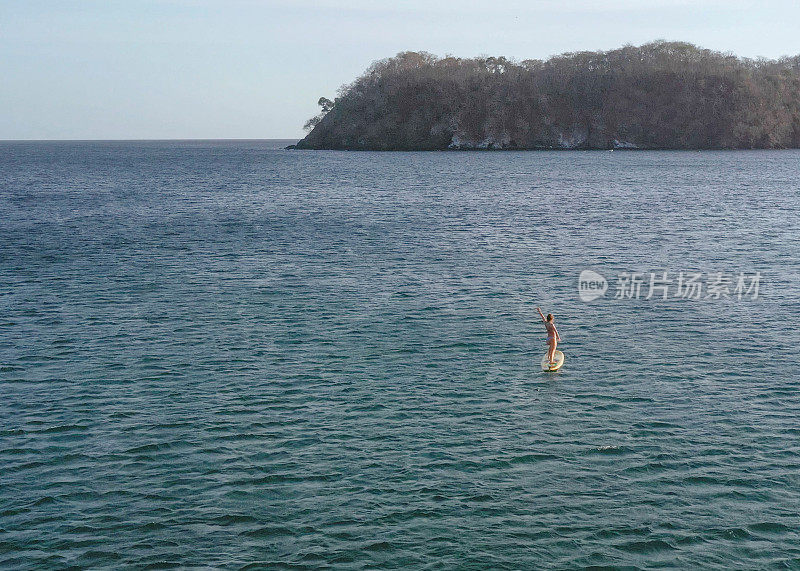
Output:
(148, 140)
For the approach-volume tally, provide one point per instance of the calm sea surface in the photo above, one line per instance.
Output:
(225, 354)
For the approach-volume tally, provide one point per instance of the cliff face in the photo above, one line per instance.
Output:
(659, 95)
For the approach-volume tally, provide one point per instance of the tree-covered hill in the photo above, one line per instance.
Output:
(662, 95)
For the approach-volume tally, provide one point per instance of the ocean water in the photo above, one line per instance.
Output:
(228, 355)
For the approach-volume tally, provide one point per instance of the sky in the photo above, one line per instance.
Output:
(231, 69)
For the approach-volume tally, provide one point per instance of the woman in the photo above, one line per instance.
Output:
(552, 336)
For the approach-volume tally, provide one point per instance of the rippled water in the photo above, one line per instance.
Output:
(225, 354)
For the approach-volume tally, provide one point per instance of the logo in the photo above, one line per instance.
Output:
(591, 285)
(661, 285)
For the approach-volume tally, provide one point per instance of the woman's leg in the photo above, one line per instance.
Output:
(551, 353)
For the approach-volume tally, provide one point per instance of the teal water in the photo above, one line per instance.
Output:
(228, 355)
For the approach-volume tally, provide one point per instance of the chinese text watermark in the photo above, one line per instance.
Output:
(664, 284)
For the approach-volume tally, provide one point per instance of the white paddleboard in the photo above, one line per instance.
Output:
(559, 358)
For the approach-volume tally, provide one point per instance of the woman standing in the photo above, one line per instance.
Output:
(552, 336)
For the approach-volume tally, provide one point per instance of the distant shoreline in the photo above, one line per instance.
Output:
(658, 96)
(280, 144)
(546, 150)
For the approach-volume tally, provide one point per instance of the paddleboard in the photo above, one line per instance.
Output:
(559, 358)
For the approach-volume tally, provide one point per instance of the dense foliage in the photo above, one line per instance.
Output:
(660, 95)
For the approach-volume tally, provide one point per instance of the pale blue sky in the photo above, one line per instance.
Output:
(133, 69)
